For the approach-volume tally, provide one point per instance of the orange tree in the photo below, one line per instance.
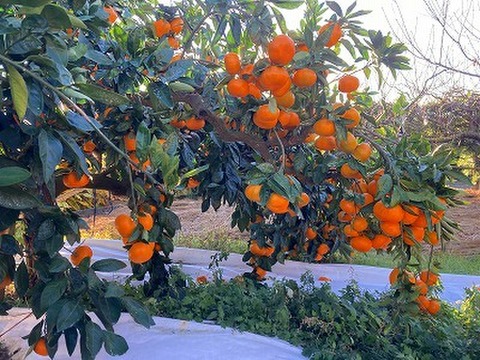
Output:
(218, 97)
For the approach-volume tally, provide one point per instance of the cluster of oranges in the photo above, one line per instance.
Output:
(421, 284)
(139, 252)
(192, 123)
(130, 143)
(171, 28)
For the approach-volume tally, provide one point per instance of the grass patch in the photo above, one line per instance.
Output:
(213, 240)
(449, 263)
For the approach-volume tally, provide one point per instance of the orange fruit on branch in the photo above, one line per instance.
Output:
(310, 233)
(423, 302)
(433, 237)
(140, 252)
(392, 229)
(173, 42)
(324, 127)
(304, 78)
(359, 224)
(261, 273)
(335, 35)
(349, 144)
(112, 14)
(161, 27)
(264, 118)
(391, 214)
(349, 206)
(304, 200)
(130, 142)
(349, 231)
(252, 192)
(176, 25)
(348, 173)
(5, 282)
(73, 180)
(177, 123)
(286, 100)
(146, 220)
(393, 276)
(89, 146)
(348, 83)
(125, 225)
(281, 50)
(361, 243)
(275, 78)
(80, 253)
(429, 277)
(381, 241)
(323, 249)
(433, 307)
(362, 152)
(232, 63)
(254, 91)
(40, 347)
(277, 204)
(194, 123)
(326, 143)
(192, 183)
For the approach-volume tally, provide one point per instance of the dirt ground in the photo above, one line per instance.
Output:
(194, 222)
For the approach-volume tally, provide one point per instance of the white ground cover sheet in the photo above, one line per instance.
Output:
(177, 339)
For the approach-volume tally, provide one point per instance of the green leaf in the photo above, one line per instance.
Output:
(178, 86)
(102, 95)
(29, 3)
(160, 95)
(76, 22)
(9, 245)
(287, 4)
(335, 7)
(114, 344)
(166, 163)
(19, 91)
(13, 198)
(143, 141)
(21, 280)
(69, 314)
(8, 218)
(94, 337)
(71, 338)
(57, 16)
(195, 171)
(138, 312)
(13, 175)
(108, 265)
(384, 186)
(53, 291)
(51, 151)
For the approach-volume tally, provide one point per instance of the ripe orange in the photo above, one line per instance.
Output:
(421, 220)
(161, 27)
(89, 146)
(277, 204)
(5, 282)
(40, 347)
(281, 50)
(423, 302)
(274, 78)
(140, 252)
(238, 88)
(359, 186)
(293, 122)
(344, 217)
(429, 277)
(261, 273)
(310, 234)
(202, 279)
(392, 229)
(335, 35)
(411, 213)
(349, 231)
(326, 143)
(130, 142)
(348, 206)
(367, 199)
(348, 173)
(324, 127)
(302, 47)
(361, 243)
(283, 89)
(359, 224)
(304, 200)
(254, 91)
(112, 14)
(176, 25)
(350, 114)
(146, 220)
(421, 286)
(173, 42)
(194, 123)
(349, 144)
(348, 83)
(80, 253)
(255, 249)
(304, 78)
(73, 180)
(232, 63)
(433, 307)
(372, 188)
(323, 249)
(252, 192)
(393, 276)
(192, 183)
(286, 100)
(418, 233)
(177, 123)
(264, 118)
(381, 241)
(433, 237)
(362, 152)
(310, 138)
(125, 225)
(392, 214)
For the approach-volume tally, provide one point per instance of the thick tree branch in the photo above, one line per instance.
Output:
(461, 136)
(202, 111)
(99, 182)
